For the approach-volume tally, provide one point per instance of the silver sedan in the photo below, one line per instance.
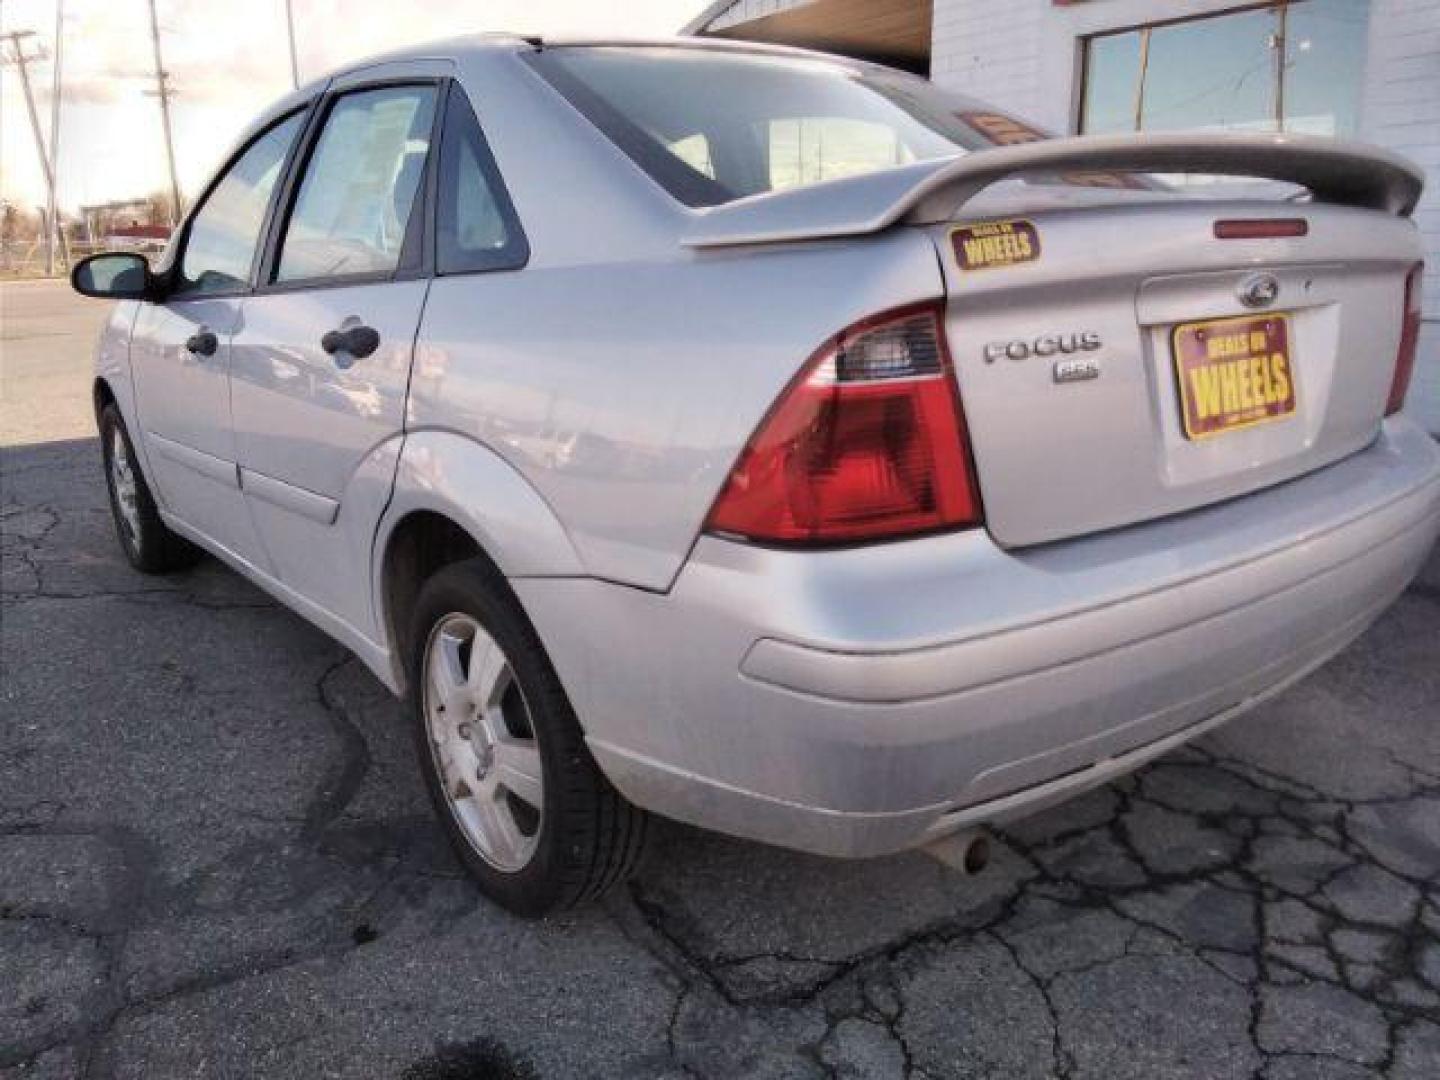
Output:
(772, 441)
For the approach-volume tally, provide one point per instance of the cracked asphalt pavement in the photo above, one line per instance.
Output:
(216, 860)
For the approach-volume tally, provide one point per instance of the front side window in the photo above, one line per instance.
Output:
(353, 210)
(713, 126)
(475, 224)
(1291, 67)
(225, 231)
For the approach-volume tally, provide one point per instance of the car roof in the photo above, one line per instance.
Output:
(475, 46)
(467, 45)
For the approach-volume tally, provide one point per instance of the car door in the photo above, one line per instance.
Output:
(180, 348)
(320, 361)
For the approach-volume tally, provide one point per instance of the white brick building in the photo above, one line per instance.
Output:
(1367, 69)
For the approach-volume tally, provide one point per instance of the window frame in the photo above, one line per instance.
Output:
(1085, 41)
(678, 180)
(174, 290)
(519, 257)
(416, 258)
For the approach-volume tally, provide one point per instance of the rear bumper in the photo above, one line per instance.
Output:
(861, 701)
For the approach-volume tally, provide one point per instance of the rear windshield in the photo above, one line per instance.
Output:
(713, 126)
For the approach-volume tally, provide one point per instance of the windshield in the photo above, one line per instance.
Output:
(713, 126)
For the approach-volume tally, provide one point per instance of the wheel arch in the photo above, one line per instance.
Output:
(421, 544)
(112, 388)
(102, 394)
(455, 498)
(111, 381)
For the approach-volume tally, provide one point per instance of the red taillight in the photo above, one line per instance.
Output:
(1409, 338)
(1259, 228)
(867, 442)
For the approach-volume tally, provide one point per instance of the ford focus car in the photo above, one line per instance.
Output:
(772, 441)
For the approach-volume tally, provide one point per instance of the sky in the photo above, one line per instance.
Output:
(228, 59)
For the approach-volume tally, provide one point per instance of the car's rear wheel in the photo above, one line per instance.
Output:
(521, 799)
(148, 543)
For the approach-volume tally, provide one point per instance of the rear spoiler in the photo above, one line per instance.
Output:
(1334, 171)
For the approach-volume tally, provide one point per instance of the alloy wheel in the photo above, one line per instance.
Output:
(483, 743)
(122, 480)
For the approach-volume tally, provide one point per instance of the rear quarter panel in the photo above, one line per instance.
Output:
(620, 372)
(625, 391)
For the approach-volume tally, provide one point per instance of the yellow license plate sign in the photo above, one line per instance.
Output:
(1233, 373)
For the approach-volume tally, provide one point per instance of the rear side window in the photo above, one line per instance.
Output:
(475, 224)
(694, 150)
(225, 231)
(353, 211)
(713, 126)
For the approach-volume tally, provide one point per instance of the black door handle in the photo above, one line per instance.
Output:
(202, 344)
(358, 341)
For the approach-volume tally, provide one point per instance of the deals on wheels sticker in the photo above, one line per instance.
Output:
(995, 243)
(1233, 373)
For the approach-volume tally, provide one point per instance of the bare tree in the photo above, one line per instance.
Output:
(162, 208)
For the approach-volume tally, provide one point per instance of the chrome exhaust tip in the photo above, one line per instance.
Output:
(967, 851)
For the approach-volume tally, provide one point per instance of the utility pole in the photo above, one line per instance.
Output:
(22, 60)
(294, 63)
(1139, 100)
(52, 215)
(1279, 44)
(163, 92)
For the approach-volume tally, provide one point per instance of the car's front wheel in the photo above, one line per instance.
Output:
(148, 543)
(522, 800)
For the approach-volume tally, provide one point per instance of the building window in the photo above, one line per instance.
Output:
(1293, 66)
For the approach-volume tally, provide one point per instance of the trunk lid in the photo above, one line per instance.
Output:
(1065, 258)
(1065, 327)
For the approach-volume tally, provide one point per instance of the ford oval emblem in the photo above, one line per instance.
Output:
(1259, 290)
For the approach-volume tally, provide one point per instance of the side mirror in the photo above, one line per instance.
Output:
(114, 276)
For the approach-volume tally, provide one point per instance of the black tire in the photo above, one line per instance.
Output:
(148, 543)
(589, 837)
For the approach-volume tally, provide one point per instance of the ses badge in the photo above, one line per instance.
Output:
(995, 243)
